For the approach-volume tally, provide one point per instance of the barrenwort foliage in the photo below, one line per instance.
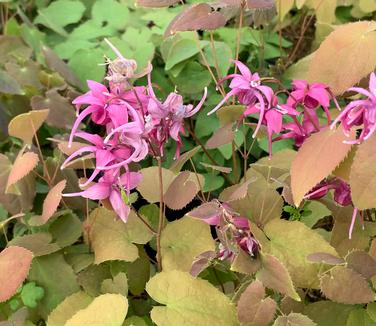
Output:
(188, 163)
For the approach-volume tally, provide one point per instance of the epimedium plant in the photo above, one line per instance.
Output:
(244, 195)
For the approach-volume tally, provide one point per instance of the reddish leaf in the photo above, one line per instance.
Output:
(323, 257)
(343, 285)
(156, 3)
(222, 169)
(361, 262)
(201, 262)
(295, 319)
(332, 63)
(274, 275)
(182, 190)
(179, 163)
(14, 266)
(363, 175)
(222, 136)
(199, 16)
(253, 309)
(25, 125)
(50, 204)
(317, 158)
(22, 166)
(62, 113)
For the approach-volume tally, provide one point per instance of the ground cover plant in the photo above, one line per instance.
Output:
(174, 162)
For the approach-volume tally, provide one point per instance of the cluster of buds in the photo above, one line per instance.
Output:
(233, 231)
(136, 123)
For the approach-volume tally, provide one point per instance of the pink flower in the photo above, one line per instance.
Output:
(342, 192)
(167, 118)
(360, 112)
(249, 91)
(111, 186)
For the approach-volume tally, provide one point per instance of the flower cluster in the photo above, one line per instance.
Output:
(136, 124)
(360, 113)
(297, 117)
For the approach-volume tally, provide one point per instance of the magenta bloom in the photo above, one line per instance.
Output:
(342, 192)
(249, 91)
(360, 112)
(167, 118)
(111, 186)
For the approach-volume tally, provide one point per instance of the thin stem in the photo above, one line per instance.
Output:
(144, 221)
(234, 162)
(207, 65)
(41, 154)
(191, 132)
(215, 56)
(198, 181)
(161, 217)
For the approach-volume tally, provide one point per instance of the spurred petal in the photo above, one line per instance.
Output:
(117, 203)
(98, 191)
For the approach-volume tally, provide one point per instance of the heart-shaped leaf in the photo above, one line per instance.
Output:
(25, 125)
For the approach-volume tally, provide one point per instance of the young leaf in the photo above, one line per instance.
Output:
(50, 203)
(66, 309)
(196, 17)
(31, 294)
(343, 285)
(107, 309)
(39, 243)
(284, 236)
(25, 125)
(361, 262)
(149, 185)
(320, 154)
(22, 166)
(112, 239)
(294, 319)
(324, 258)
(179, 247)
(332, 63)
(363, 175)
(14, 266)
(182, 190)
(178, 164)
(118, 284)
(253, 308)
(274, 275)
(156, 3)
(189, 301)
(328, 313)
(222, 136)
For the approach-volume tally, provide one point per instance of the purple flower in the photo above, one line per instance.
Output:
(249, 91)
(167, 118)
(360, 112)
(111, 186)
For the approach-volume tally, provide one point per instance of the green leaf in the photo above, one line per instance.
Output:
(112, 239)
(66, 230)
(57, 279)
(192, 79)
(66, 309)
(218, 56)
(328, 313)
(212, 182)
(371, 310)
(189, 301)
(359, 317)
(111, 13)
(118, 284)
(315, 212)
(179, 247)
(284, 237)
(179, 49)
(105, 310)
(88, 65)
(31, 294)
(59, 14)
(135, 321)
(294, 319)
